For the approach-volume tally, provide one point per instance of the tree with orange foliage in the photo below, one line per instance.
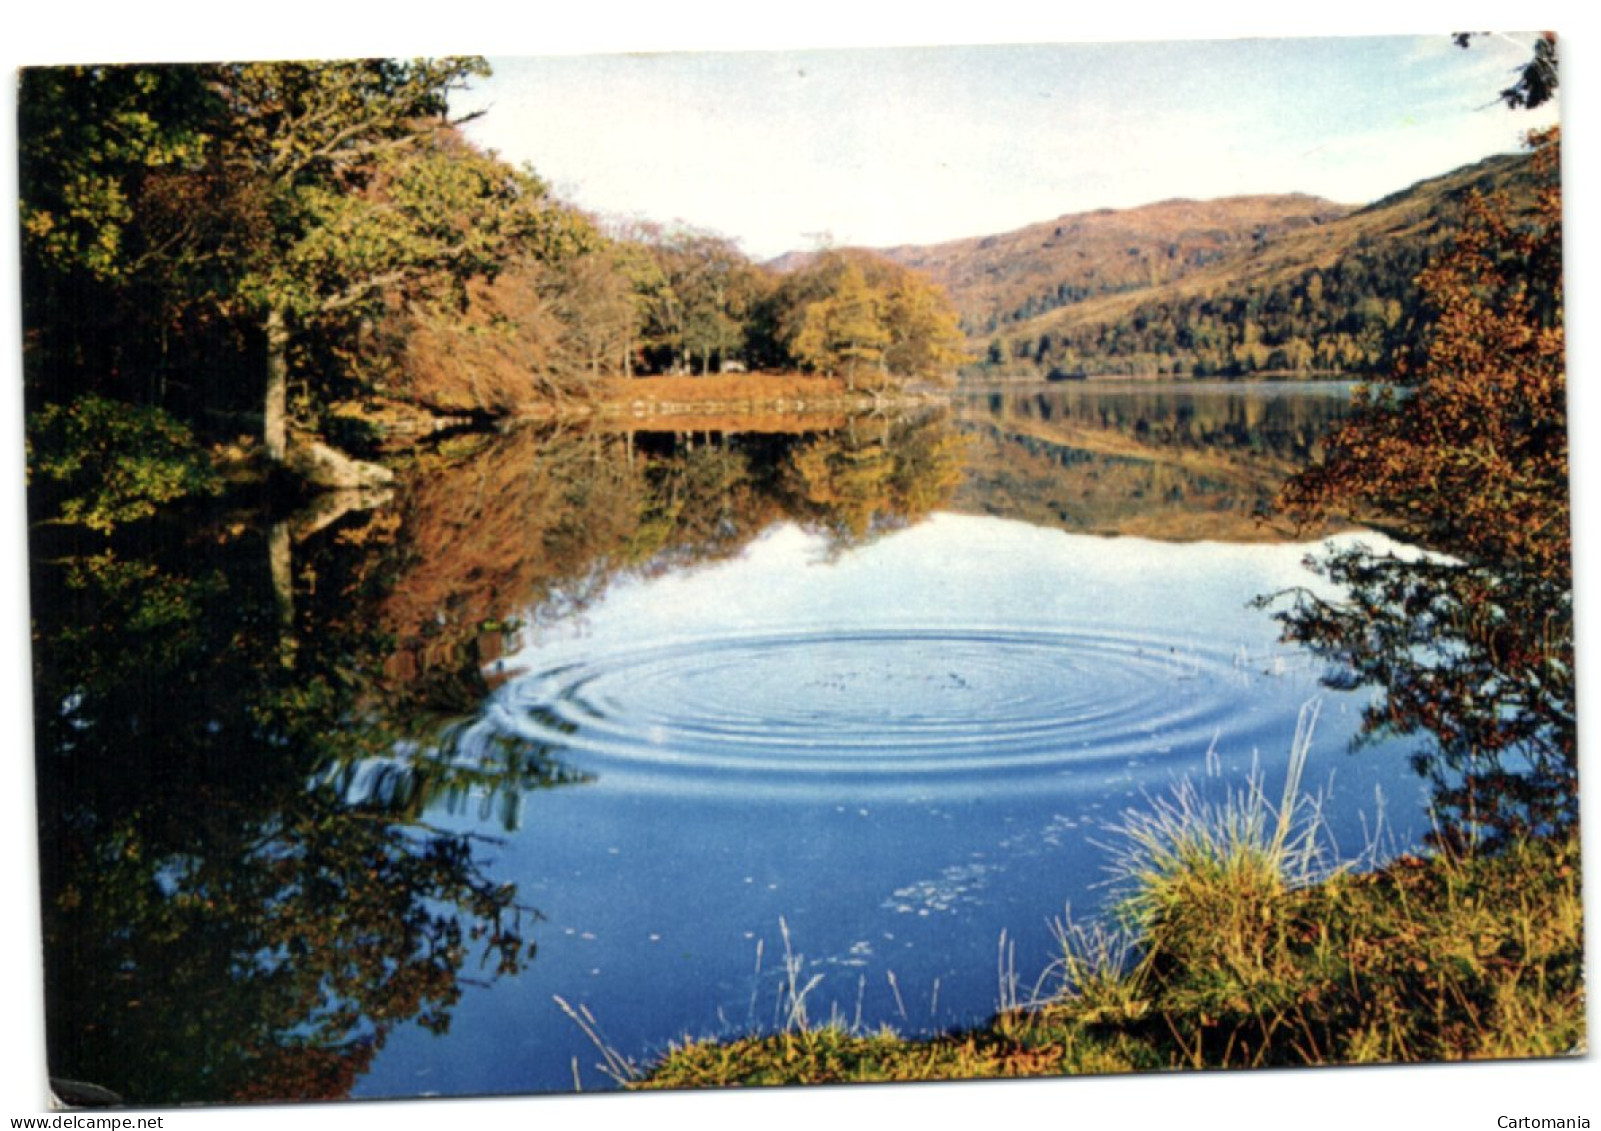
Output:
(858, 315)
(1466, 455)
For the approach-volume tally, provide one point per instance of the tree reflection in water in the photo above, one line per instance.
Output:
(215, 926)
(241, 722)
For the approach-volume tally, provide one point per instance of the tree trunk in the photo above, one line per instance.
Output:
(275, 411)
(280, 564)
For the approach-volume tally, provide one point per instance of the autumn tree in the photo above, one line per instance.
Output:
(283, 203)
(863, 317)
(925, 337)
(508, 349)
(543, 329)
(716, 288)
(1466, 454)
(844, 333)
(365, 193)
(594, 296)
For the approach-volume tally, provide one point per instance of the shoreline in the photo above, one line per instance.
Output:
(1400, 964)
(753, 394)
(751, 402)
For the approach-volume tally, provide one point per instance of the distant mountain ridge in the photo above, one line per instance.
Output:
(1291, 283)
(1006, 278)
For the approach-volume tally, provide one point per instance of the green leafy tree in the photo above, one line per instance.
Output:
(90, 140)
(116, 237)
(716, 284)
(695, 290)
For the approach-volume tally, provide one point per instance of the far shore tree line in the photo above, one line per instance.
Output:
(215, 248)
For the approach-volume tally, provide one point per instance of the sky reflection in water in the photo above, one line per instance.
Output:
(900, 752)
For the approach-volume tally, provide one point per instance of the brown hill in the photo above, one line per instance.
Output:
(1339, 297)
(1256, 284)
(1422, 213)
(1000, 279)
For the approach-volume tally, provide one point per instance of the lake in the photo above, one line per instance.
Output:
(660, 728)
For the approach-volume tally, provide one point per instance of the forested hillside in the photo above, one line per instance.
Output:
(997, 281)
(1290, 285)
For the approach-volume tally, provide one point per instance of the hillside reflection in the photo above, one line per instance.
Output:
(1174, 463)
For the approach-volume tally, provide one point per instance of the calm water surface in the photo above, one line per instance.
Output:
(870, 700)
(906, 753)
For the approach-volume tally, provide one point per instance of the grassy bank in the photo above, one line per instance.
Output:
(1228, 961)
(737, 388)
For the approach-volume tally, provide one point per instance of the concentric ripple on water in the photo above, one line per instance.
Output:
(877, 707)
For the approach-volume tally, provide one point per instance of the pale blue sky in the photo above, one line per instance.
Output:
(883, 146)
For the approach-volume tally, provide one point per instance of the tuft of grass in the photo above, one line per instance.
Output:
(1195, 867)
(1097, 972)
(1439, 959)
